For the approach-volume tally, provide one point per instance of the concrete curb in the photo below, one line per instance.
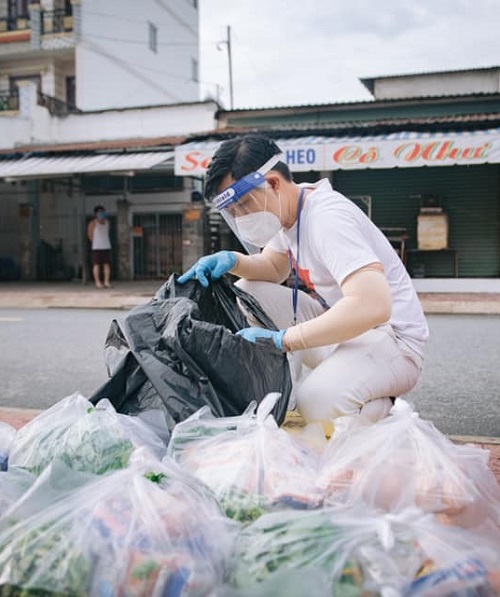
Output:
(481, 303)
(54, 297)
(127, 298)
(72, 302)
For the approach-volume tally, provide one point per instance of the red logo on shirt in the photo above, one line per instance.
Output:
(305, 281)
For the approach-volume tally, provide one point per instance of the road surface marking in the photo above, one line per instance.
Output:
(11, 318)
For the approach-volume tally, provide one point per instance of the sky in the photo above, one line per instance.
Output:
(289, 53)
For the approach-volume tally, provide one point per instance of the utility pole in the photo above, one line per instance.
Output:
(230, 66)
(227, 41)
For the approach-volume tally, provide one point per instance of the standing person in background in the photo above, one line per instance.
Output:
(98, 234)
(360, 330)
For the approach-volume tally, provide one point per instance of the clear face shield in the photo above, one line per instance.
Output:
(251, 209)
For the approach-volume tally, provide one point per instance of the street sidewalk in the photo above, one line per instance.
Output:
(75, 295)
(126, 295)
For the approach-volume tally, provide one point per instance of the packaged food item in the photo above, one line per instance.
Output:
(467, 577)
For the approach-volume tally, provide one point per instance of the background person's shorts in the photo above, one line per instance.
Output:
(101, 256)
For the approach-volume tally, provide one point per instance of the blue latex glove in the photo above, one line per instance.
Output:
(253, 334)
(211, 266)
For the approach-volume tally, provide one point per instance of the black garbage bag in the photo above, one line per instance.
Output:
(179, 352)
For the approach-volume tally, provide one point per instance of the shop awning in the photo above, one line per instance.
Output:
(44, 167)
(395, 150)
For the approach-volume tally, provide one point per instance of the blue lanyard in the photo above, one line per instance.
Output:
(295, 289)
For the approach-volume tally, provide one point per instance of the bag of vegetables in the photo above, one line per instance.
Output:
(149, 529)
(88, 438)
(364, 553)
(251, 464)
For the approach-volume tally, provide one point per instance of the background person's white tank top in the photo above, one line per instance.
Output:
(100, 240)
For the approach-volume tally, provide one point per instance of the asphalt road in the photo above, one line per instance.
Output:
(49, 354)
(459, 390)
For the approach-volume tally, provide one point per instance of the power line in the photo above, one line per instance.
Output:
(130, 20)
(256, 70)
(139, 41)
(160, 72)
(173, 14)
(129, 67)
(143, 20)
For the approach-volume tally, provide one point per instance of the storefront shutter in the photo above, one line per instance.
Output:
(470, 195)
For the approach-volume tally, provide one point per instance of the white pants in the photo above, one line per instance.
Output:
(357, 376)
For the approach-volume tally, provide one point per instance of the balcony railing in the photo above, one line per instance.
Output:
(56, 106)
(9, 100)
(56, 21)
(14, 23)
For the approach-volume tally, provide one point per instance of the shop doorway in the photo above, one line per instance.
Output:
(156, 245)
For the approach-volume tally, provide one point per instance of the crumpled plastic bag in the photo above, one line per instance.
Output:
(7, 435)
(180, 352)
(404, 461)
(251, 465)
(86, 437)
(148, 529)
(363, 552)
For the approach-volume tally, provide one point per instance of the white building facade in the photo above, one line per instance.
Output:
(94, 94)
(101, 54)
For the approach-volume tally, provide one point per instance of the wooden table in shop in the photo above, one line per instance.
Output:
(422, 252)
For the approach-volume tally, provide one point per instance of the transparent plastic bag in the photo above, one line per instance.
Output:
(251, 465)
(149, 529)
(7, 435)
(14, 483)
(312, 582)
(323, 541)
(457, 562)
(88, 438)
(403, 461)
(361, 551)
(35, 442)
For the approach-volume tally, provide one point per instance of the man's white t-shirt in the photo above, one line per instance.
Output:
(336, 239)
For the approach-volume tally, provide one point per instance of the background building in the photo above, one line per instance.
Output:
(93, 96)
(100, 54)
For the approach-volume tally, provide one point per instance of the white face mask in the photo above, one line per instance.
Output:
(258, 228)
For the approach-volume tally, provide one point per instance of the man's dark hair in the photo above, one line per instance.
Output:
(240, 156)
(98, 208)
